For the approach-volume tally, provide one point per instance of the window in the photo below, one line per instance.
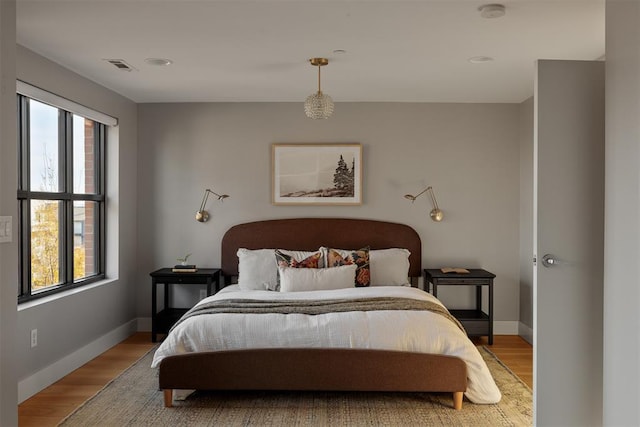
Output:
(61, 198)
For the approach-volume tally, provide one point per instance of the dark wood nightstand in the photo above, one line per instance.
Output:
(162, 321)
(475, 321)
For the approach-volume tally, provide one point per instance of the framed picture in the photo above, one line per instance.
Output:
(317, 174)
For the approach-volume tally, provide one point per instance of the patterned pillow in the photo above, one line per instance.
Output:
(360, 257)
(286, 260)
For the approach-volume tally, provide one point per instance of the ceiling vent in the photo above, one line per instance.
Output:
(120, 64)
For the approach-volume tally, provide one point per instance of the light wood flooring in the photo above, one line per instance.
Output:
(54, 403)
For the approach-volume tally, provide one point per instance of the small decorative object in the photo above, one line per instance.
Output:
(457, 270)
(183, 260)
(184, 269)
(202, 215)
(435, 214)
(317, 174)
(318, 105)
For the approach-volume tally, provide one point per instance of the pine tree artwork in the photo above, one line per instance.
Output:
(317, 174)
(343, 178)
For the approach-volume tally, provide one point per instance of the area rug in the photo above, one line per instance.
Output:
(133, 399)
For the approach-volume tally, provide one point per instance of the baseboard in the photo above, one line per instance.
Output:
(525, 332)
(505, 327)
(52, 373)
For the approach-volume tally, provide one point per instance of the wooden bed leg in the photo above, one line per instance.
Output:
(168, 398)
(457, 399)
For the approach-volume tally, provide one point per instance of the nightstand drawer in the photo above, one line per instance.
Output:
(458, 281)
(191, 280)
(178, 279)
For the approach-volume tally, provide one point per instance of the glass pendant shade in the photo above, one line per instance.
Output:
(318, 106)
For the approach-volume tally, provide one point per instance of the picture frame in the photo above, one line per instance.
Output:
(316, 174)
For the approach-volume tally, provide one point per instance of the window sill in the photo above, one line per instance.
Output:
(63, 294)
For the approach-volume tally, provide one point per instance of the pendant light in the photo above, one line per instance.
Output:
(318, 105)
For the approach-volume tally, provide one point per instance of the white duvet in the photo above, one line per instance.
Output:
(413, 331)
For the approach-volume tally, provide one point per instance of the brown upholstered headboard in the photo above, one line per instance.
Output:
(310, 233)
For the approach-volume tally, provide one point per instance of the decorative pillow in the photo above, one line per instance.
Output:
(294, 259)
(360, 257)
(316, 279)
(256, 269)
(288, 259)
(389, 267)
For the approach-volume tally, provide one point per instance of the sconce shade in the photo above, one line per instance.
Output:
(202, 215)
(436, 214)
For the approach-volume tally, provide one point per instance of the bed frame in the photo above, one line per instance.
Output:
(316, 369)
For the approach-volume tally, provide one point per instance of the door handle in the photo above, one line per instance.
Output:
(549, 260)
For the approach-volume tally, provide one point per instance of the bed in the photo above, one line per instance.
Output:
(351, 350)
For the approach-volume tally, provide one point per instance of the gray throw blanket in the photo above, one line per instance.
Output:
(315, 307)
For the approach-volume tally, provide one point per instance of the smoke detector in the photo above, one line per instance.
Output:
(493, 10)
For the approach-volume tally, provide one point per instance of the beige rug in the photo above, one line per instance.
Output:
(133, 399)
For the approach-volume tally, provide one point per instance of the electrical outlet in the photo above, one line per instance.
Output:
(34, 338)
(203, 294)
(5, 229)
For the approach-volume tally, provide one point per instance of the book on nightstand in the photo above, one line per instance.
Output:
(454, 270)
(190, 268)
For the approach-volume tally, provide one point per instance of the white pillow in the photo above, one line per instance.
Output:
(316, 279)
(389, 267)
(257, 269)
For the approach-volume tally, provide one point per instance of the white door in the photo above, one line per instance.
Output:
(569, 230)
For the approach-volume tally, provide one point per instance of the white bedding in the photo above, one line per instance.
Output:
(413, 331)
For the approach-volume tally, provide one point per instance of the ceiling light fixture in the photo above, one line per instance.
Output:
(480, 59)
(160, 62)
(493, 10)
(318, 105)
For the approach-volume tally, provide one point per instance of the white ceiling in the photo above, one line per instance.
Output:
(399, 51)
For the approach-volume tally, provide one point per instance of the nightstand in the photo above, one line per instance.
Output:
(161, 322)
(475, 321)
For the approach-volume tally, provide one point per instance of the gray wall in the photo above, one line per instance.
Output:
(526, 219)
(622, 216)
(8, 207)
(70, 323)
(468, 152)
